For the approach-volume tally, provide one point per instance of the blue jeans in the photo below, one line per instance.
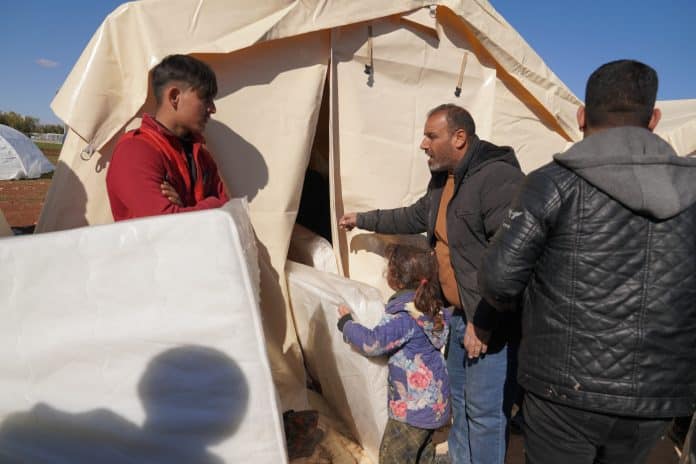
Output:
(483, 391)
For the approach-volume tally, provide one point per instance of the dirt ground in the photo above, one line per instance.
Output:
(21, 200)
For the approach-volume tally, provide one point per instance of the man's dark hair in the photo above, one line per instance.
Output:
(620, 93)
(457, 118)
(185, 69)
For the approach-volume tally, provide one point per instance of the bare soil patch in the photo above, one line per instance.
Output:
(21, 200)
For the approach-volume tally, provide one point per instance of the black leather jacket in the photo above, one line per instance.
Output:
(485, 181)
(601, 243)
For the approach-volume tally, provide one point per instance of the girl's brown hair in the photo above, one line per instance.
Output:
(415, 268)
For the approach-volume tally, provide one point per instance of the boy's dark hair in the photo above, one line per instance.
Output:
(415, 268)
(457, 118)
(186, 69)
(620, 93)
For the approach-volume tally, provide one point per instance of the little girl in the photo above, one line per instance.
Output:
(412, 332)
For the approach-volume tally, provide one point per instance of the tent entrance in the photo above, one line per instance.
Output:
(314, 211)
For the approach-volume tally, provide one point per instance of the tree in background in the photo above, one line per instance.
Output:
(28, 124)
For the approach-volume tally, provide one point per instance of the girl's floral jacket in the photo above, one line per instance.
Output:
(418, 382)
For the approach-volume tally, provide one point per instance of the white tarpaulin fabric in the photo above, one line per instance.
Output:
(150, 349)
(407, 53)
(418, 60)
(20, 158)
(354, 386)
(271, 59)
(312, 250)
(678, 124)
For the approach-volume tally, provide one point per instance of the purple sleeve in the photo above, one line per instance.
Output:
(392, 332)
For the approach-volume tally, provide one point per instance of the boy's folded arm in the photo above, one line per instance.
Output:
(135, 177)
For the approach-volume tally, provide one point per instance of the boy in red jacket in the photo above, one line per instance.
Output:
(164, 167)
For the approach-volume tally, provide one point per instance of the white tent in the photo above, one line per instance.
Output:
(291, 77)
(678, 124)
(19, 157)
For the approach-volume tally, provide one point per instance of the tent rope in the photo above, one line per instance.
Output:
(369, 67)
(458, 89)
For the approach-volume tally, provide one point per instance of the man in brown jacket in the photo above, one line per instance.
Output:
(472, 184)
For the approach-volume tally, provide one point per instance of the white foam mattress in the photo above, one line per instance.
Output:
(139, 341)
(354, 386)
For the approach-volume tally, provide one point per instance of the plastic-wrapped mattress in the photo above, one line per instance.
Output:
(354, 386)
(311, 249)
(139, 341)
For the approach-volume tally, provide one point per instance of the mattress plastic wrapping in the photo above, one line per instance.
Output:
(136, 342)
(354, 386)
(312, 250)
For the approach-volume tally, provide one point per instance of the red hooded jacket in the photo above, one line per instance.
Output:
(144, 158)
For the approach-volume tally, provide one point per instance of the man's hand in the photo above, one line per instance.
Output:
(476, 341)
(348, 221)
(171, 194)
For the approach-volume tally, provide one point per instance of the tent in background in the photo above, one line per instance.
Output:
(678, 124)
(20, 158)
(292, 82)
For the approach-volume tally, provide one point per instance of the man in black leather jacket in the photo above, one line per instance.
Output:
(601, 245)
(472, 184)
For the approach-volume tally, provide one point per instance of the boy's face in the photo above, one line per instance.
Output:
(193, 112)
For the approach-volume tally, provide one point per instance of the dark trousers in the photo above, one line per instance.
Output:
(555, 433)
(406, 444)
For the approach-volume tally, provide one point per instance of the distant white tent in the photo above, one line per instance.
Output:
(19, 157)
(678, 125)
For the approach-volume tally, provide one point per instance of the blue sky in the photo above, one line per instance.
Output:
(576, 37)
(41, 41)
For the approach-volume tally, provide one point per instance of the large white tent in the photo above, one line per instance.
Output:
(678, 124)
(20, 158)
(295, 70)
